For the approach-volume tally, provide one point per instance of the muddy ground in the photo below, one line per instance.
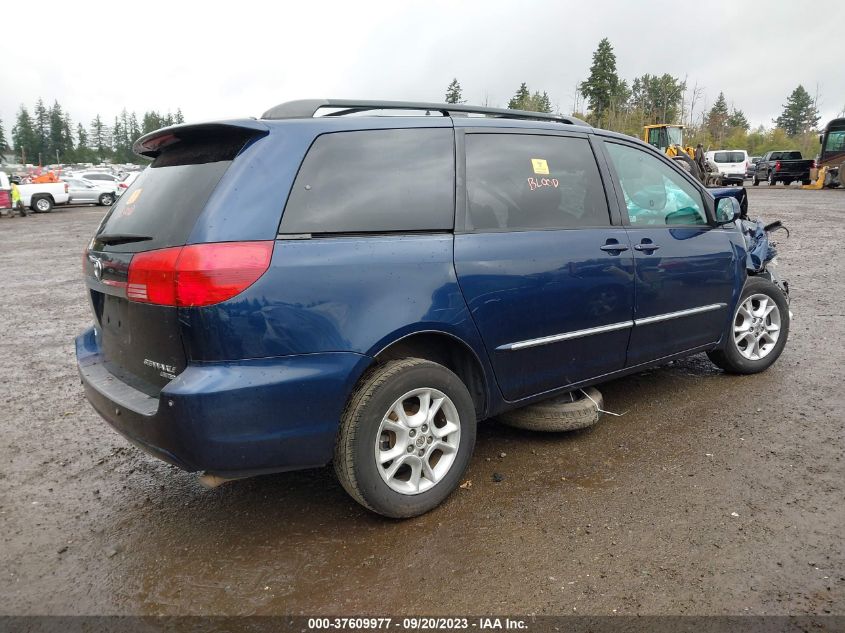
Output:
(636, 515)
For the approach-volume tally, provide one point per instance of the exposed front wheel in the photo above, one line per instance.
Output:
(406, 437)
(758, 332)
(107, 199)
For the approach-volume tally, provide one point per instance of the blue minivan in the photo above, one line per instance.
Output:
(360, 282)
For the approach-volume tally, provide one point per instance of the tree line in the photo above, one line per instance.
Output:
(48, 135)
(607, 100)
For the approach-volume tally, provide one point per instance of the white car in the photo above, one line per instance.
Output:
(91, 192)
(98, 176)
(732, 164)
(126, 181)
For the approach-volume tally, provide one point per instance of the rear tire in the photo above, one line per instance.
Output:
(771, 179)
(806, 181)
(107, 199)
(755, 321)
(557, 414)
(755, 181)
(41, 204)
(389, 450)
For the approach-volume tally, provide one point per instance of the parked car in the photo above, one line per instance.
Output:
(783, 166)
(397, 279)
(5, 194)
(98, 176)
(126, 181)
(751, 166)
(731, 163)
(90, 192)
(42, 197)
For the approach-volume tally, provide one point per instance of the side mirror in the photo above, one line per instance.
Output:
(727, 210)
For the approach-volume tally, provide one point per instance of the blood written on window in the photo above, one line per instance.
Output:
(524, 181)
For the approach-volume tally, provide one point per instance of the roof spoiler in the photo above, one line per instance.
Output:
(152, 144)
(307, 108)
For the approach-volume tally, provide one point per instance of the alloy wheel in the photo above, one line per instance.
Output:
(756, 326)
(417, 441)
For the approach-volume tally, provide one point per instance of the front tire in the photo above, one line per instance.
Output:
(758, 332)
(406, 437)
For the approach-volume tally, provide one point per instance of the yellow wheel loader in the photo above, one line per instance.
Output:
(670, 140)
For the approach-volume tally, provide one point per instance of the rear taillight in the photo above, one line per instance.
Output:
(5, 199)
(777, 165)
(123, 185)
(812, 164)
(197, 275)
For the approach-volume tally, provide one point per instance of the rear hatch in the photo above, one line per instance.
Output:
(730, 162)
(129, 264)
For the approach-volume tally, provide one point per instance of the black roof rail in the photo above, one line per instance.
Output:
(307, 108)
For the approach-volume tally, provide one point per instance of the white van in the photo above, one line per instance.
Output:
(732, 163)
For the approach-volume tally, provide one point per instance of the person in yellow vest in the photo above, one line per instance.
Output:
(16, 200)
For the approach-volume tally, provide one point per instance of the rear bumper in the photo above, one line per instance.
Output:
(231, 418)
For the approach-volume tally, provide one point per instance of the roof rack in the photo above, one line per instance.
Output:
(307, 108)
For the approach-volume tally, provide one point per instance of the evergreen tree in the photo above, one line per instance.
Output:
(59, 141)
(83, 153)
(178, 118)
(540, 103)
(134, 128)
(4, 145)
(799, 113)
(520, 99)
(454, 94)
(24, 138)
(67, 125)
(100, 138)
(603, 88)
(41, 125)
(737, 120)
(151, 122)
(717, 119)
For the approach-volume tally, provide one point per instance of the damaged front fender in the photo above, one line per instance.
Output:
(761, 251)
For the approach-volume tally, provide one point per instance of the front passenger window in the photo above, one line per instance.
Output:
(654, 193)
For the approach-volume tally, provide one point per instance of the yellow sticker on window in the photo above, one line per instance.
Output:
(137, 194)
(540, 166)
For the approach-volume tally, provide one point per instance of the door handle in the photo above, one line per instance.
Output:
(646, 246)
(614, 249)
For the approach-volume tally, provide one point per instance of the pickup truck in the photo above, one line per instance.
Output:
(42, 197)
(783, 166)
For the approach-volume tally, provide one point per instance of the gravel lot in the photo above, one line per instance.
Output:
(713, 494)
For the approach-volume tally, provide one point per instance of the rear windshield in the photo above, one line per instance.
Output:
(785, 156)
(729, 157)
(160, 208)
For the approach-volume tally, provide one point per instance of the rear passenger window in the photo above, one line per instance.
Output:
(523, 181)
(373, 181)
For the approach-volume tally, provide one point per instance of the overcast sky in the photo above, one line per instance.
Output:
(233, 59)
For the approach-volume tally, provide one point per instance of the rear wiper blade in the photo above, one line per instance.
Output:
(121, 238)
